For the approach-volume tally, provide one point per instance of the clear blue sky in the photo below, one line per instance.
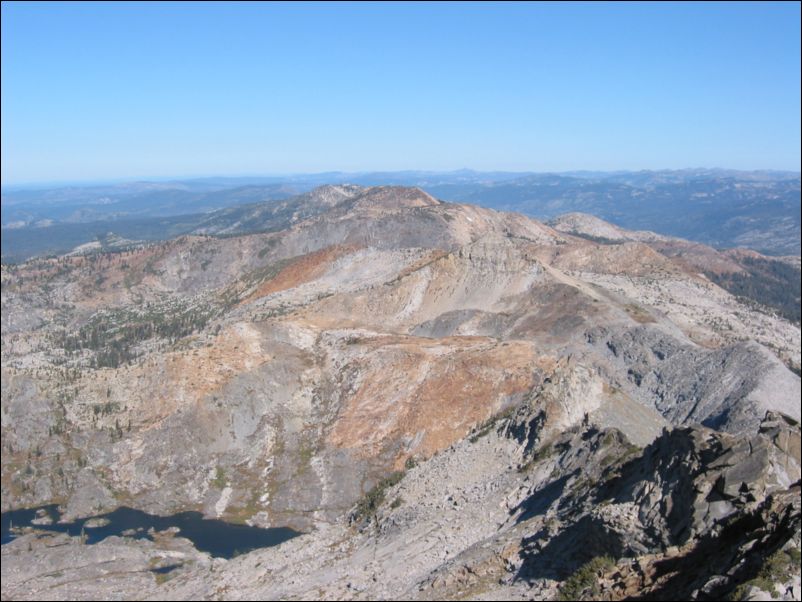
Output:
(97, 91)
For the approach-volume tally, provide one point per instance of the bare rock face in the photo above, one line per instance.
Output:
(450, 401)
(691, 385)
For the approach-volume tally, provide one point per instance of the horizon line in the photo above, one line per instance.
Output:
(85, 183)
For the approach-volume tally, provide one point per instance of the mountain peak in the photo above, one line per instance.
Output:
(332, 194)
(584, 224)
(395, 197)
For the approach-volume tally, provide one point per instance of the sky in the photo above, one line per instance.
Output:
(95, 91)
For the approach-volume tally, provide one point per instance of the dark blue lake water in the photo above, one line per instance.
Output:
(218, 538)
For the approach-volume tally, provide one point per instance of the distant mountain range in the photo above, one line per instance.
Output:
(722, 208)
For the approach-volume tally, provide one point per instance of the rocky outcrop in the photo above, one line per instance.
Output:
(728, 389)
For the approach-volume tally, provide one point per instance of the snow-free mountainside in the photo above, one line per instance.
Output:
(447, 400)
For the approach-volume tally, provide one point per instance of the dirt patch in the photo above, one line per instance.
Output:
(425, 394)
(303, 269)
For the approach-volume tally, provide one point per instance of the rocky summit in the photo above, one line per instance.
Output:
(447, 401)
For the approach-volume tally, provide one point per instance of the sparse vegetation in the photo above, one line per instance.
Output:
(775, 569)
(488, 425)
(543, 452)
(113, 335)
(162, 577)
(370, 502)
(219, 480)
(584, 583)
(306, 452)
(639, 314)
(270, 245)
(771, 283)
(597, 239)
(105, 409)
